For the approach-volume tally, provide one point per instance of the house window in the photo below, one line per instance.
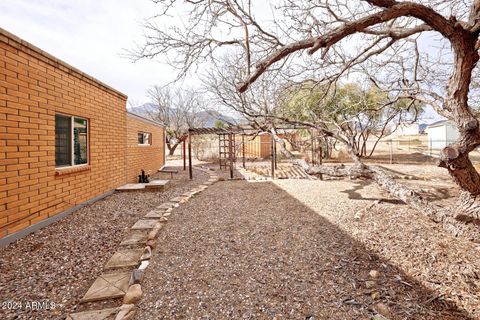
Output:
(144, 138)
(71, 141)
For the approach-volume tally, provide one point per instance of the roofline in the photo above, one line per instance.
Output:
(136, 116)
(34, 51)
(439, 124)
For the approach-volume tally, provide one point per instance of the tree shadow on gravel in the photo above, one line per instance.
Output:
(253, 251)
(353, 193)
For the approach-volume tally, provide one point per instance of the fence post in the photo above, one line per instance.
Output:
(391, 152)
(190, 170)
(184, 156)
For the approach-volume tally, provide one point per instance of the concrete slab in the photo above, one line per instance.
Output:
(131, 187)
(135, 237)
(144, 224)
(93, 315)
(158, 185)
(125, 258)
(108, 286)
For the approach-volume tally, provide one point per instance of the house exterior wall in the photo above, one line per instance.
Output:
(452, 133)
(437, 137)
(442, 135)
(147, 157)
(34, 86)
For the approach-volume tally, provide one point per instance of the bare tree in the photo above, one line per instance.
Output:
(178, 110)
(328, 40)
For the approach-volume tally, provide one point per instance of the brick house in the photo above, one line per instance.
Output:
(66, 139)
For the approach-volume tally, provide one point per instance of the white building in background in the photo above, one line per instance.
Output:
(408, 129)
(441, 133)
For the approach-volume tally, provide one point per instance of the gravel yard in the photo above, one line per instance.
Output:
(293, 249)
(58, 263)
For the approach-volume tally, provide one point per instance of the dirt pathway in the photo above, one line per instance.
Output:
(245, 250)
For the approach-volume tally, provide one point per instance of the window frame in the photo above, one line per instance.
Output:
(149, 140)
(72, 142)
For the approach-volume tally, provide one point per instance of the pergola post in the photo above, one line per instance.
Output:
(230, 153)
(273, 157)
(190, 169)
(243, 150)
(184, 155)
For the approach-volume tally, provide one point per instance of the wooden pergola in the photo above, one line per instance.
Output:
(227, 134)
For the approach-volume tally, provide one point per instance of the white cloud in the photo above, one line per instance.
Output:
(90, 35)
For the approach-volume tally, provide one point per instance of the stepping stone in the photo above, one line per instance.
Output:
(131, 187)
(135, 237)
(155, 214)
(166, 205)
(158, 185)
(93, 315)
(108, 286)
(144, 224)
(125, 258)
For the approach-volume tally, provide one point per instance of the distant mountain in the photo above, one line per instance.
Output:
(207, 117)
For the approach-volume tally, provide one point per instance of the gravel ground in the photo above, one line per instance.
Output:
(294, 250)
(57, 264)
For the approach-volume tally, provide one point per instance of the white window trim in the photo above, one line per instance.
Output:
(72, 149)
(145, 144)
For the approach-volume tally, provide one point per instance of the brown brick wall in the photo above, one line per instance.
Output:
(33, 87)
(147, 157)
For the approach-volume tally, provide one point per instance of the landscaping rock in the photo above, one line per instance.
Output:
(127, 312)
(136, 277)
(374, 274)
(151, 243)
(134, 293)
(143, 265)
(147, 253)
(383, 309)
(369, 284)
(154, 232)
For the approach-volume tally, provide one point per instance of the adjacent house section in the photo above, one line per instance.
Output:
(145, 146)
(441, 134)
(63, 137)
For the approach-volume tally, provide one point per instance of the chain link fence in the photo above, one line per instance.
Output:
(399, 151)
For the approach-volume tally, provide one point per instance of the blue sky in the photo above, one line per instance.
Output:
(91, 36)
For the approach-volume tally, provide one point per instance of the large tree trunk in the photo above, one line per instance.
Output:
(172, 148)
(447, 218)
(455, 157)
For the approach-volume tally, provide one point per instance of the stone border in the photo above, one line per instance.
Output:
(134, 292)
